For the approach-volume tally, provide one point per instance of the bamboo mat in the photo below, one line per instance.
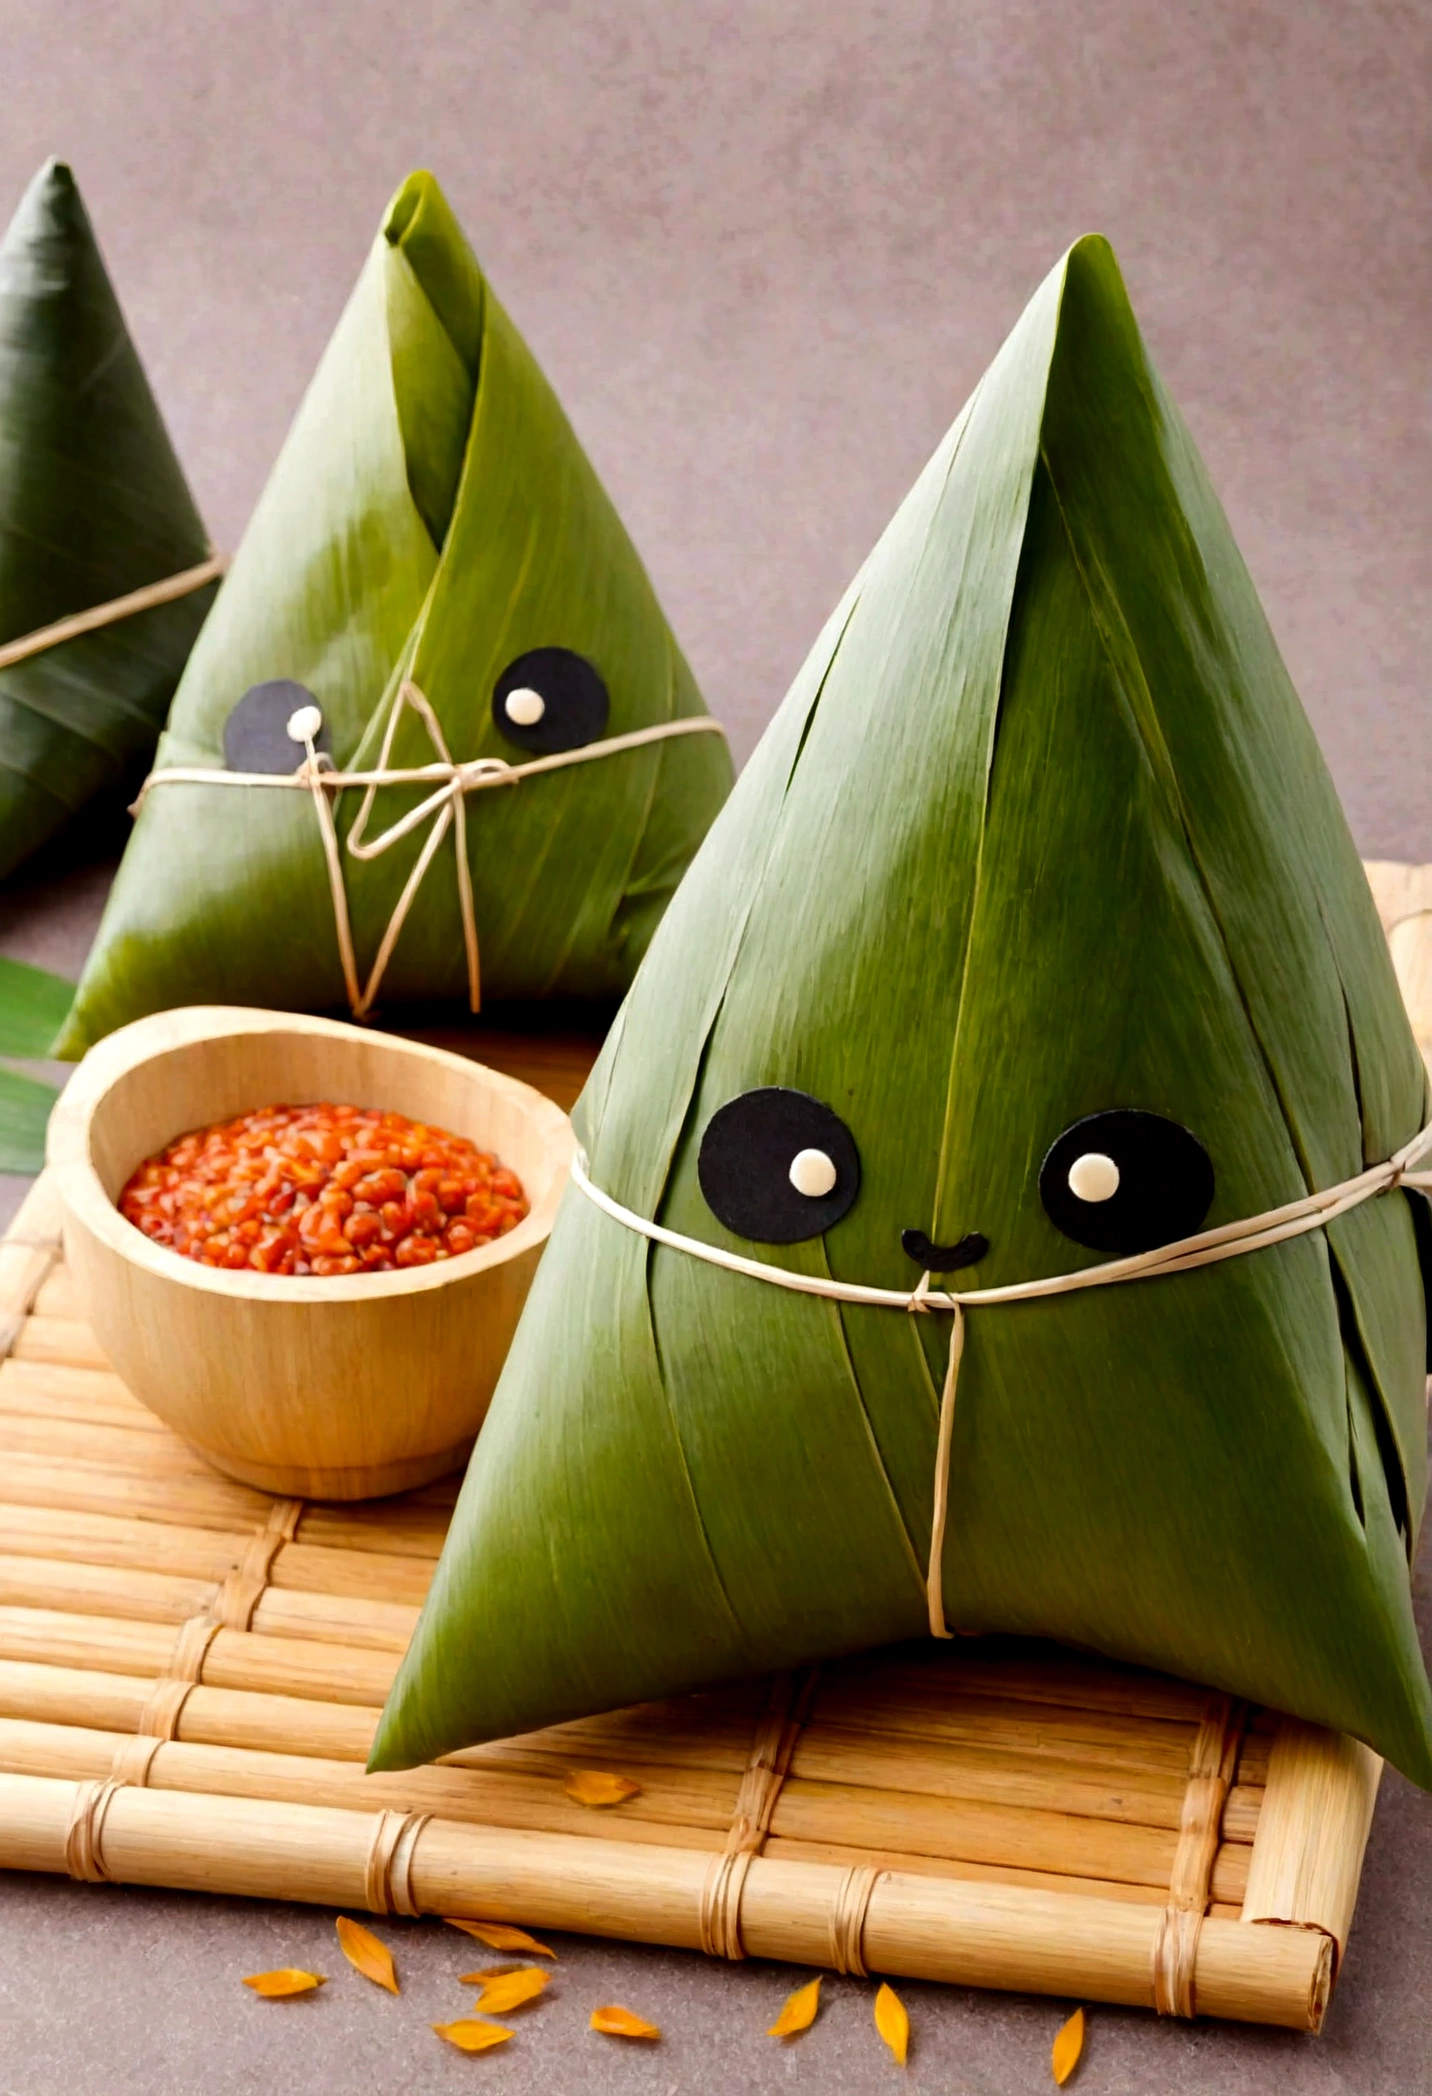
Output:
(191, 1673)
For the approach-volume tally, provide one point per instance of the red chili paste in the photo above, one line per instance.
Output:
(322, 1190)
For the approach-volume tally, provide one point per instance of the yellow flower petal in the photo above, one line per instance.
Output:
(277, 1986)
(473, 2037)
(621, 2023)
(366, 1954)
(799, 2012)
(506, 1991)
(600, 1787)
(500, 1935)
(892, 2022)
(1068, 2045)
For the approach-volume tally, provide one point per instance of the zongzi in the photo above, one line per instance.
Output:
(1032, 950)
(437, 630)
(94, 513)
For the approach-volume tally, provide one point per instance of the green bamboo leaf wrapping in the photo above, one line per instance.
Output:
(1041, 830)
(93, 505)
(24, 1113)
(33, 1005)
(431, 516)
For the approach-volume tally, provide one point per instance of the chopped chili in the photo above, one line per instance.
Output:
(322, 1190)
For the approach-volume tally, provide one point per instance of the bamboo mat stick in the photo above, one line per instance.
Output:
(149, 1597)
(684, 1812)
(127, 1543)
(235, 1658)
(997, 1936)
(199, 1502)
(1228, 1882)
(73, 1389)
(66, 1341)
(725, 1748)
(1056, 1678)
(210, 1716)
(64, 1537)
(1312, 1832)
(336, 1731)
(849, 1855)
(968, 1933)
(1057, 1841)
(73, 1695)
(1242, 1812)
(405, 1531)
(998, 1873)
(994, 1775)
(138, 1449)
(340, 1619)
(359, 1575)
(1091, 1738)
(164, 1597)
(56, 1297)
(688, 1799)
(31, 1389)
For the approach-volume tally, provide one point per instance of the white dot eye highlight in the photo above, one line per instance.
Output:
(812, 1173)
(524, 707)
(304, 724)
(1093, 1177)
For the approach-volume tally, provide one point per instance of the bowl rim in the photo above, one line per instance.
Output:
(68, 1156)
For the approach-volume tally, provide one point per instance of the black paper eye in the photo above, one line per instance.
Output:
(256, 736)
(777, 1166)
(550, 700)
(1126, 1181)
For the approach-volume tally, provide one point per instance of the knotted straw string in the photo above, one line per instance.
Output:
(1205, 1248)
(113, 610)
(446, 804)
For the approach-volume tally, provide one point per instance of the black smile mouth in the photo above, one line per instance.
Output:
(943, 1259)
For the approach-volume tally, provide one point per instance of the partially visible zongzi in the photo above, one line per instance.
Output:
(93, 506)
(431, 523)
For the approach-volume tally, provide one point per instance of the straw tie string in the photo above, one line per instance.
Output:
(388, 1872)
(849, 1913)
(166, 591)
(1204, 1248)
(84, 1857)
(443, 808)
(767, 1766)
(231, 1608)
(244, 1587)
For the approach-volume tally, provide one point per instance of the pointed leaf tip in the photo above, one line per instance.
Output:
(285, 1981)
(892, 2022)
(500, 1935)
(617, 2022)
(1068, 2046)
(366, 1954)
(469, 2036)
(600, 1788)
(799, 2012)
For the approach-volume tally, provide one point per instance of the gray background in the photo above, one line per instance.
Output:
(763, 252)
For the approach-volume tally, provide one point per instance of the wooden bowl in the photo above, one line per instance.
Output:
(339, 1388)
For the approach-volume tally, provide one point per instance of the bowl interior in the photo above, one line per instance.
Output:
(196, 1082)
